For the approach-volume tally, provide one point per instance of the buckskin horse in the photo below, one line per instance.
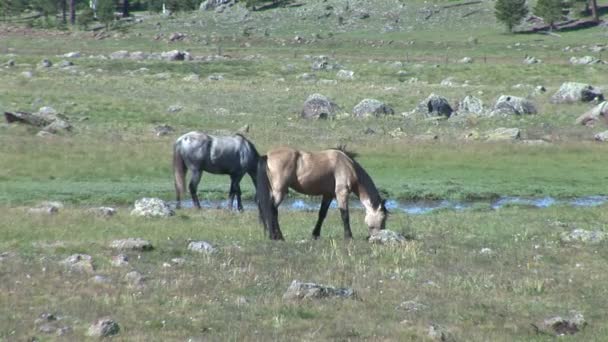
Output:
(198, 152)
(331, 174)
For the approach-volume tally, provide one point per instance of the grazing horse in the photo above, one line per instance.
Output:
(198, 152)
(330, 173)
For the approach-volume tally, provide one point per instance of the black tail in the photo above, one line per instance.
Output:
(264, 195)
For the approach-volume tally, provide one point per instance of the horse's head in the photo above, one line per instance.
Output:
(375, 218)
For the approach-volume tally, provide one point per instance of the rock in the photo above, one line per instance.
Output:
(44, 134)
(466, 60)
(45, 63)
(152, 207)
(411, 306)
(584, 236)
(387, 237)
(559, 326)
(102, 211)
(162, 130)
(470, 105)
(513, 105)
(58, 126)
(74, 54)
(327, 82)
(439, 333)
(138, 56)
(122, 54)
(599, 112)
(176, 36)
(602, 136)
(486, 251)
(135, 279)
(448, 82)
(209, 5)
(47, 207)
(586, 60)
(502, 134)
(201, 247)
(306, 77)
(65, 64)
(435, 105)
(174, 108)
(120, 260)
(27, 74)
(347, 75)
(318, 106)
(532, 60)
(9, 64)
(135, 244)
(192, 78)
(103, 327)
(576, 92)
(320, 63)
(173, 55)
(215, 78)
(371, 107)
(79, 263)
(298, 291)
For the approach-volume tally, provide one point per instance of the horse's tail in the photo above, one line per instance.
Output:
(265, 200)
(179, 173)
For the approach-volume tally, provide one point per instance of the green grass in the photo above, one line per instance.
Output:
(113, 158)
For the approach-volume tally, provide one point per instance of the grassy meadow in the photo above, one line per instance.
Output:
(113, 157)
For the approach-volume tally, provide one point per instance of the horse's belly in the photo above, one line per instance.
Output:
(314, 187)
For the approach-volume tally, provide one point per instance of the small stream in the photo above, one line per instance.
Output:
(424, 207)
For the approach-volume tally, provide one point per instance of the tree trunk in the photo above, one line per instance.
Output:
(125, 8)
(72, 12)
(64, 18)
(594, 12)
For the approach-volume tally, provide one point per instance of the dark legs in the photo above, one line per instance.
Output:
(235, 190)
(322, 214)
(275, 230)
(345, 220)
(194, 180)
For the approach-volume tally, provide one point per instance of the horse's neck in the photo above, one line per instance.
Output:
(366, 191)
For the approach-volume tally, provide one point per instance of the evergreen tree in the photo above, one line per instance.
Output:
(105, 11)
(510, 12)
(549, 10)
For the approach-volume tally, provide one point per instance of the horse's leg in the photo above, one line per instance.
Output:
(275, 229)
(236, 184)
(231, 193)
(342, 199)
(316, 233)
(194, 180)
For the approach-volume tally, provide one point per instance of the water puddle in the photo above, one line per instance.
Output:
(424, 207)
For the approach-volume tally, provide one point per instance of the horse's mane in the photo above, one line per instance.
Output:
(351, 154)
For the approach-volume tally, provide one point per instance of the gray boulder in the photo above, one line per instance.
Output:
(371, 107)
(513, 105)
(320, 63)
(135, 244)
(576, 92)
(597, 113)
(135, 279)
(74, 54)
(503, 134)
(584, 236)
(470, 105)
(45, 63)
(560, 326)
(122, 54)
(79, 263)
(387, 237)
(318, 106)
(175, 55)
(435, 105)
(347, 75)
(152, 207)
(210, 5)
(102, 211)
(201, 247)
(103, 327)
(120, 260)
(299, 290)
(47, 207)
(532, 60)
(586, 60)
(602, 136)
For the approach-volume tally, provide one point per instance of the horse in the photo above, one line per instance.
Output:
(332, 173)
(198, 152)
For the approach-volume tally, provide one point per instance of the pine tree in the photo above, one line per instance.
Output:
(549, 10)
(510, 12)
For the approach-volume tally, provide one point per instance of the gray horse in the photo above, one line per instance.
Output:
(198, 152)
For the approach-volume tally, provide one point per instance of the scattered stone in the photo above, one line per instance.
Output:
(532, 60)
(138, 56)
(486, 251)
(175, 108)
(503, 134)
(306, 77)
(470, 105)
(44, 134)
(45, 63)
(387, 237)
(103, 327)
(135, 279)
(559, 326)
(177, 36)
(215, 78)
(411, 306)
(178, 261)
(162, 130)
(584, 236)
(9, 64)
(513, 105)
(602, 136)
(135, 244)
(372, 107)
(102, 211)
(576, 92)
(321, 63)
(347, 75)
(210, 5)
(435, 105)
(120, 260)
(122, 54)
(74, 54)
(448, 82)
(327, 82)
(175, 55)
(201, 247)
(597, 113)
(439, 333)
(466, 60)
(298, 291)
(152, 207)
(192, 78)
(586, 60)
(318, 106)
(65, 64)
(79, 263)
(46, 117)
(47, 207)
